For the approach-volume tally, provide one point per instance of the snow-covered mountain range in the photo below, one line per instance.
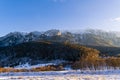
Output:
(86, 37)
(14, 38)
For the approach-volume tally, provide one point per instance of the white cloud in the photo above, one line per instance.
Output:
(116, 19)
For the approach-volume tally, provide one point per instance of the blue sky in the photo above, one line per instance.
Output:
(42, 15)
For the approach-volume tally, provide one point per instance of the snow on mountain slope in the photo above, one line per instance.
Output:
(53, 32)
(86, 37)
(14, 38)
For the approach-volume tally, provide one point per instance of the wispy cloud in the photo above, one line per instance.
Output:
(117, 19)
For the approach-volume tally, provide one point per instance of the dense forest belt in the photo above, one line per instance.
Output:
(34, 51)
(80, 57)
(106, 50)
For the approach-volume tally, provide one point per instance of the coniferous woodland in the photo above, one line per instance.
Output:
(77, 56)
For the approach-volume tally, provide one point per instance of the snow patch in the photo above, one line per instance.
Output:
(28, 66)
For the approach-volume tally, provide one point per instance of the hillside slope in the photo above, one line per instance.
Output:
(34, 52)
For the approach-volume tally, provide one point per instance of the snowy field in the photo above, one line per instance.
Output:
(63, 75)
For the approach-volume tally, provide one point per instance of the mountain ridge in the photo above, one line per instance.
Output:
(87, 37)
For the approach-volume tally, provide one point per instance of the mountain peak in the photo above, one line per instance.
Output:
(53, 32)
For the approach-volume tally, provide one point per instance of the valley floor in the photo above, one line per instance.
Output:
(63, 75)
